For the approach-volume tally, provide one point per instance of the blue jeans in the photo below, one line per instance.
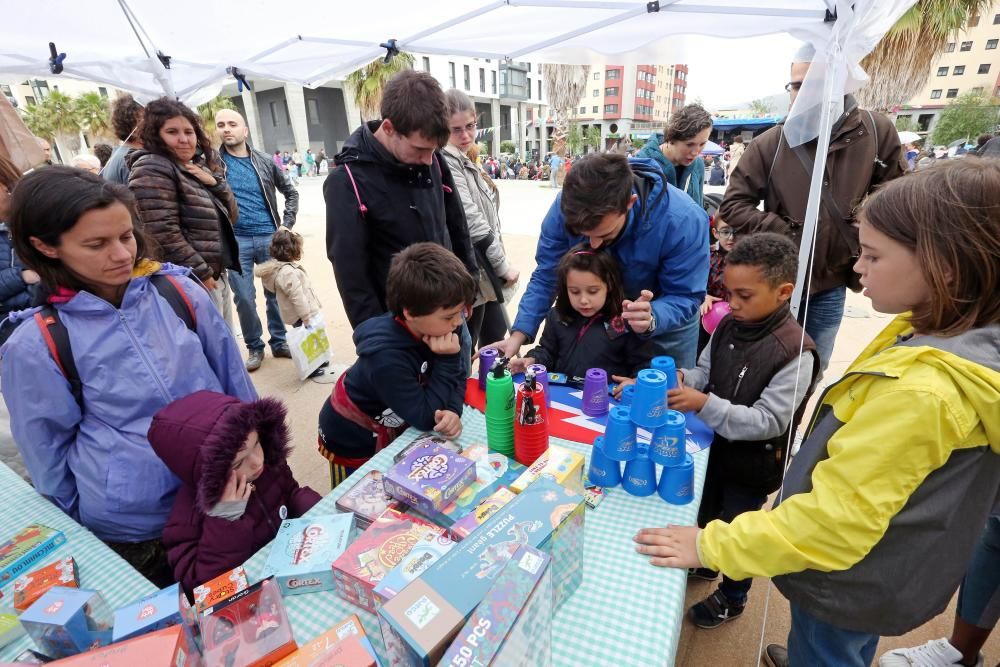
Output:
(255, 250)
(826, 310)
(979, 596)
(681, 343)
(813, 643)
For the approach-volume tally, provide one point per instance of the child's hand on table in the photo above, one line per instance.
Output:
(673, 546)
(686, 399)
(447, 423)
(622, 383)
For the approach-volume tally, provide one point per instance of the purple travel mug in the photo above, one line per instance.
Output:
(595, 393)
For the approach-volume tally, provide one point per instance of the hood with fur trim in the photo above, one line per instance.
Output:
(198, 437)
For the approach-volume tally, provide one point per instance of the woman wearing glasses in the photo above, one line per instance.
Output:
(481, 200)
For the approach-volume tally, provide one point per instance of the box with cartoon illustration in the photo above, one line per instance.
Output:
(462, 528)
(223, 587)
(304, 550)
(169, 647)
(31, 586)
(154, 612)
(367, 499)
(513, 623)
(343, 645)
(429, 478)
(26, 549)
(421, 620)
(425, 552)
(250, 629)
(565, 465)
(67, 621)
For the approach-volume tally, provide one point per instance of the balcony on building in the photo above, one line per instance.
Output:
(514, 81)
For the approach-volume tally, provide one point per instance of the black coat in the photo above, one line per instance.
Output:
(405, 204)
(14, 292)
(613, 347)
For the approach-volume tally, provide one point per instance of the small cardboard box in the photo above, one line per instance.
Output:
(31, 586)
(493, 470)
(512, 625)
(304, 550)
(429, 549)
(429, 478)
(67, 621)
(423, 618)
(464, 527)
(169, 647)
(375, 552)
(314, 653)
(250, 629)
(21, 552)
(367, 499)
(221, 588)
(566, 466)
(154, 612)
(10, 629)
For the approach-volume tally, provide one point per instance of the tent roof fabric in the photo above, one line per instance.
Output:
(745, 123)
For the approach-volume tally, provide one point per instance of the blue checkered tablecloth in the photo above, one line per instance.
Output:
(100, 568)
(626, 612)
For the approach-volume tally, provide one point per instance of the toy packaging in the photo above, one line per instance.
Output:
(512, 625)
(154, 612)
(375, 552)
(462, 528)
(367, 499)
(322, 651)
(29, 657)
(594, 495)
(168, 647)
(67, 621)
(250, 629)
(31, 586)
(221, 588)
(422, 619)
(429, 478)
(430, 548)
(564, 465)
(21, 552)
(10, 629)
(304, 551)
(426, 439)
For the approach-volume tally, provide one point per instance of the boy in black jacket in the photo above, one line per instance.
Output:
(409, 369)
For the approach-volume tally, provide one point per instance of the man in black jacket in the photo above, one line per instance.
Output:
(390, 189)
(253, 177)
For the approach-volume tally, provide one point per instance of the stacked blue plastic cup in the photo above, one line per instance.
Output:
(639, 478)
(667, 446)
(619, 435)
(667, 365)
(649, 403)
(676, 482)
(628, 393)
(603, 471)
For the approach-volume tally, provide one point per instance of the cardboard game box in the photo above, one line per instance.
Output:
(67, 621)
(250, 629)
(420, 622)
(462, 528)
(169, 647)
(429, 478)
(24, 550)
(318, 652)
(367, 499)
(159, 610)
(304, 550)
(429, 549)
(375, 552)
(513, 623)
(566, 466)
(31, 586)
(427, 439)
(10, 629)
(223, 587)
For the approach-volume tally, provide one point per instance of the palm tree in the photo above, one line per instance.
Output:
(38, 119)
(368, 83)
(61, 121)
(565, 85)
(760, 107)
(900, 64)
(94, 114)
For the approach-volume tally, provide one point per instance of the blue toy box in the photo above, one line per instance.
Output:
(154, 612)
(303, 552)
(67, 621)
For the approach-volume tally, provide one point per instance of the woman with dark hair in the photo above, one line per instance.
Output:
(121, 337)
(183, 200)
(679, 153)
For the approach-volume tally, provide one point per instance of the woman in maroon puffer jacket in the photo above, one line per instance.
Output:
(236, 486)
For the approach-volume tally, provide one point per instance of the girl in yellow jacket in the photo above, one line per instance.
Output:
(900, 469)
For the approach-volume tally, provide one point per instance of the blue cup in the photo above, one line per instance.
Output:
(628, 393)
(668, 444)
(649, 404)
(640, 477)
(619, 435)
(667, 365)
(603, 471)
(677, 482)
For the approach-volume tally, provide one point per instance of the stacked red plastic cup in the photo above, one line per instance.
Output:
(531, 429)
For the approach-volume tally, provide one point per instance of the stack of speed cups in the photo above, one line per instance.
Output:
(648, 410)
(669, 450)
(542, 378)
(487, 356)
(616, 445)
(595, 393)
(500, 410)
(667, 365)
(531, 431)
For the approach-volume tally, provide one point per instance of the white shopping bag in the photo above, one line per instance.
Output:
(309, 345)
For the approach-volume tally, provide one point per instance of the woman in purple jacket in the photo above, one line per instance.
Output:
(85, 443)
(236, 486)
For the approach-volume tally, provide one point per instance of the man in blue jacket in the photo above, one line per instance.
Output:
(658, 236)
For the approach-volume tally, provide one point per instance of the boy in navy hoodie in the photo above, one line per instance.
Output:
(409, 370)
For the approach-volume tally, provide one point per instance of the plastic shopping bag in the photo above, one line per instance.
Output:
(310, 347)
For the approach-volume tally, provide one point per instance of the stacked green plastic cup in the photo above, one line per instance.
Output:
(500, 410)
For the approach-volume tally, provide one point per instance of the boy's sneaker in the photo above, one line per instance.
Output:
(714, 610)
(935, 653)
(702, 573)
(776, 655)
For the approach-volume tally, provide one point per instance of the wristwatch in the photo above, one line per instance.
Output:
(652, 322)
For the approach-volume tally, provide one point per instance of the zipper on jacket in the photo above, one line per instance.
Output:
(145, 359)
(263, 510)
(739, 378)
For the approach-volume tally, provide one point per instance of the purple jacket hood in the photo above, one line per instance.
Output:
(198, 436)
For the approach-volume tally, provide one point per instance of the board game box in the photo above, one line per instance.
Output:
(462, 528)
(427, 550)
(169, 647)
(154, 612)
(304, 550)
(31, 586)
(28, 547)
(565, 465)
(223, 587)
(10, 629)
(315, 653)
(367, 499)
(250, 629)
(67, 621)
(429, 478)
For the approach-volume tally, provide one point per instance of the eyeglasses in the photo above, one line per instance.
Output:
(726, 233)
(471, 128)
(793, 85)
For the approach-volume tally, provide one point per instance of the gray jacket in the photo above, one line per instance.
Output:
(270, 177)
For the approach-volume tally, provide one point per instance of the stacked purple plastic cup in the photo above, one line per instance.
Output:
(542, 378)
(595, 393)
(487, 355)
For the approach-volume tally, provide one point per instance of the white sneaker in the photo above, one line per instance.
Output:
(935, 653)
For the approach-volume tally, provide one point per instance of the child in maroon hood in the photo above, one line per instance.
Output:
(236, 486)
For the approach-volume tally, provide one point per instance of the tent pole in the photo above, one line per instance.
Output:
(160, 72)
